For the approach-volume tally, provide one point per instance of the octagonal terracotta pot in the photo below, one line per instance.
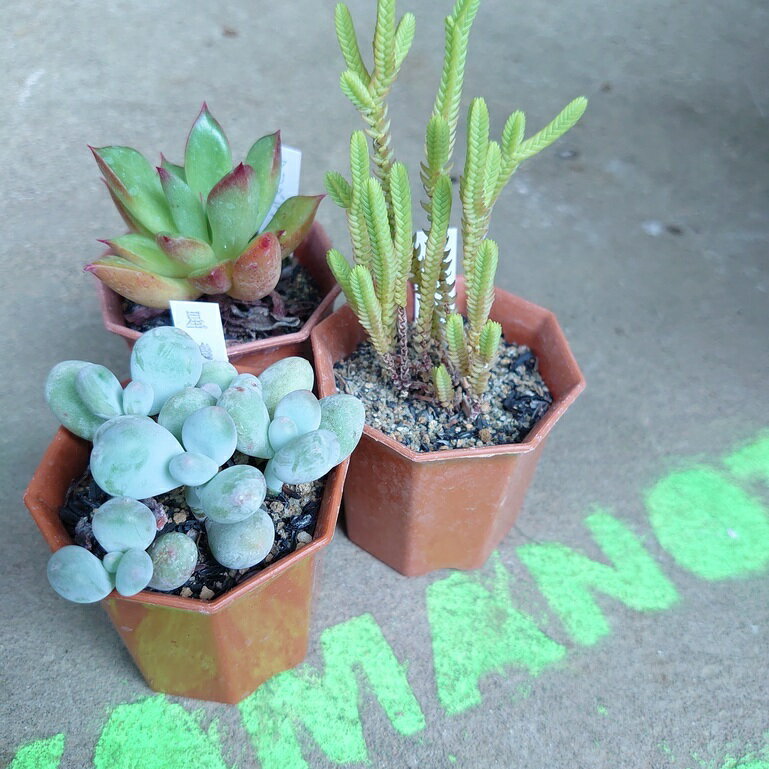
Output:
(219, 650)
(422, 511)
(311, 254)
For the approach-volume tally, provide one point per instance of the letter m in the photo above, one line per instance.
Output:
(327, 704)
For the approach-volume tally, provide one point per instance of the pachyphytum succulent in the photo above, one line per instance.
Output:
(200, 228)
(273, 417)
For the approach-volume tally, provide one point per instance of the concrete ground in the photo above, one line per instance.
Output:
(644, 230)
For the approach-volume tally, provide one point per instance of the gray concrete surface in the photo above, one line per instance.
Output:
(649, 243)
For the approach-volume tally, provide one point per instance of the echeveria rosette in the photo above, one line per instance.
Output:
(197, 229)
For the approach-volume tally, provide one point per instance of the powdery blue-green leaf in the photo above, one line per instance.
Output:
(192, 469)
(174, 557)
(137, 399)
(282, 430)
(284, 376)
(302, 408)
(345, 416)
(181, 405)
(123, 523)
(64, 400)
(249, 413)
(100, 390)
(220, 372)
(134, 571)
(78, 575)
(210, 431)
(243, 544)
(234, 494)
(306, 458)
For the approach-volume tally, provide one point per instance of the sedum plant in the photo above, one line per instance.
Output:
(204, 411)
(199, 228)
(454, 353)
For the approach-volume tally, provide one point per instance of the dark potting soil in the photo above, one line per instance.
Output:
(294, 512)
(298, 295)
(517, 397)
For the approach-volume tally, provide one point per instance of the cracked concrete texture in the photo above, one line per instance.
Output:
(644, 230)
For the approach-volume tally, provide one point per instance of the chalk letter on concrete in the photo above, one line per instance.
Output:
(709, 525)
(327, 703)
(476, 631)
(155, 734)
(40, 754)
(567, 578)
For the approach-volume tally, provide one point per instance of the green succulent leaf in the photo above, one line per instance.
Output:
(565, 120)
(404, 37)
(339, 189)
(292, 221)
(444, 389)
(139, 285)
(134, 183)
(185, 205)
(145, 253)
(265, 158)
(172, 168)
(207, 156)
(356, 91)
(348, 42)
(191, 254)
(232, 209)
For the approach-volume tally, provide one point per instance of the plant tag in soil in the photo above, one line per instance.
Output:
(290, 169)
(203, 322)
(451, 257)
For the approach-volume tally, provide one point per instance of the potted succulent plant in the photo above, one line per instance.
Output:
(463, 385)
(204, 229)
(182, 525)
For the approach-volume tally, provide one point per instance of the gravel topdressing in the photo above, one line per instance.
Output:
(517, 397)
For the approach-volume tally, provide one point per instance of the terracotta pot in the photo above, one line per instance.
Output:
(311, 254)
(421, 511)
(219, 650)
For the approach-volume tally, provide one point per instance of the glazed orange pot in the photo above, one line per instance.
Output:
(311, 254)
(421, 511)
(219, 650)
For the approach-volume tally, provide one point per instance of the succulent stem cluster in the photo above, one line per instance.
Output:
(454, 353)
(200, 228)
(204, 411)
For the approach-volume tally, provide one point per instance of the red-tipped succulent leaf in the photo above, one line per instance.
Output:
(257, 271)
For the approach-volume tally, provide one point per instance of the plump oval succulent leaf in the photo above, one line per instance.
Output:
(283, 377)
(139, 285)
(274, 484)
(133, 181)
(111, 561)
(192, 469)
(345, 416)
(174, 557)
(234, 494)
(232, 212)
(168, 360)
(186, 207)
(131, 456)
(249, 381)
(64, 400)
(220, 372)
(265, 158)
(192, 498)
(256, 271)
(306, 458)
(246, 407)
(146, 253)
(292, 221)
(134, 572)
(138, 398)
(100, 390)
(282, 430)
(212, 389)
(210, 431)
(122, 523)
(302, 408)
(243, 544)
(78, 575)
(180, 406)
(188, 254)
(207, 156)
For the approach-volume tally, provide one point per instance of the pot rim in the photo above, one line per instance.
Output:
(108, 297)
(533, 439)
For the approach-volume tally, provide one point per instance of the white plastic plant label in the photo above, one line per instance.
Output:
(451, 242)
(203, 322)
(290, 170)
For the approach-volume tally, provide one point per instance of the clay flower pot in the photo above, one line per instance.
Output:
(219, 650)
(311, 254)
(421, 511)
